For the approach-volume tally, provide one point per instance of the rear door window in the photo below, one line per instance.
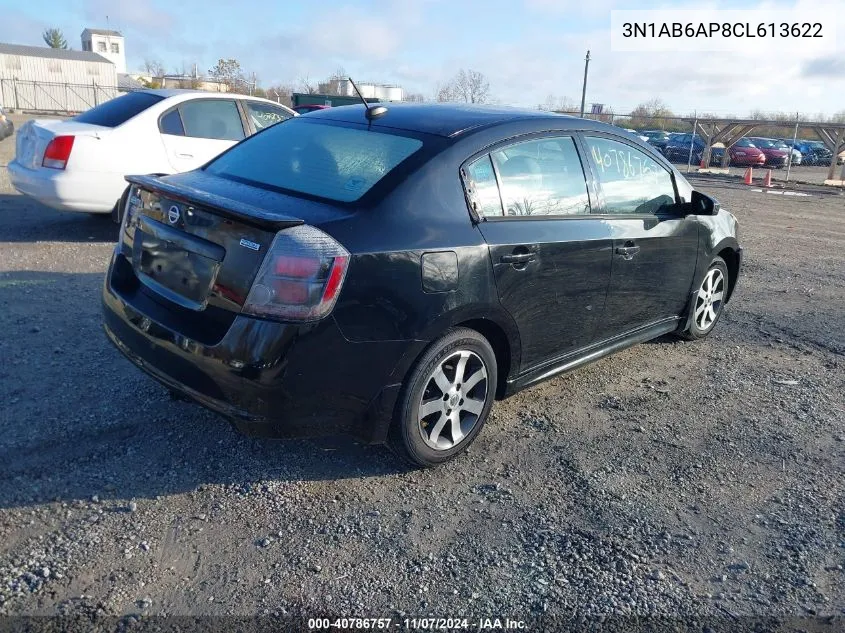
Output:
(631, 181)
(542, 177)
(119, 110)
(217, 119)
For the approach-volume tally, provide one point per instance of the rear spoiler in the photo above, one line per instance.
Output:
(225, 207)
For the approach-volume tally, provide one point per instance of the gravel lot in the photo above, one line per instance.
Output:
(691, 482)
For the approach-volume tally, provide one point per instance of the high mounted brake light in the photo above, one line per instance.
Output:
(301, 276)
(57, 153)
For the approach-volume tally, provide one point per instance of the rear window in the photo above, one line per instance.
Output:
(117, 111)
(327, 161)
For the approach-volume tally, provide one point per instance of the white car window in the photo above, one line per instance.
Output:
(264, 115)
(212, 118)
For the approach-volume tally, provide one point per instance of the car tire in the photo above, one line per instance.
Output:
(434, 421)
(117, 211)
(709, 301)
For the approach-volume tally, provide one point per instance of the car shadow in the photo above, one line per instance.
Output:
(78, 420)
(25, 220)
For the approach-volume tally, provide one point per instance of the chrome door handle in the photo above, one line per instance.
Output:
(627, 252)
(518, 258)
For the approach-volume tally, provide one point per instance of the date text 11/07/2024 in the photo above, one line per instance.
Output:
(417, 624)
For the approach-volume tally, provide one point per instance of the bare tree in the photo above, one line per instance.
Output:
(154, 68)
(229, 72)
(307, 86)
(555, 103)
(281, 94)
(415, 97)
(470, 86)
(652, 113)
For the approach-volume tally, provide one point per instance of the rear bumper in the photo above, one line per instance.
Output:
(68, 190)
(270, 379)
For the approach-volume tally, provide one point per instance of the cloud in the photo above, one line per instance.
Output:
(142, 16)
(829, 66)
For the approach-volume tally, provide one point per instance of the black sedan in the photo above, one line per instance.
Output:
(389, 273)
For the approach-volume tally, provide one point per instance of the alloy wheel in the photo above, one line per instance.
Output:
(709, 299)
(452, 400)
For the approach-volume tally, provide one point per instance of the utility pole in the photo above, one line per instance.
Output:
(584, 88)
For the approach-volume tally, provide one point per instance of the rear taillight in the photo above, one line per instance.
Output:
(301, 276)
(58, 152)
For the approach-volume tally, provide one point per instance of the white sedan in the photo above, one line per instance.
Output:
(79, 164)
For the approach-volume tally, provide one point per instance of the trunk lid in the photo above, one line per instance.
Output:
(34, 136)
(197, 241)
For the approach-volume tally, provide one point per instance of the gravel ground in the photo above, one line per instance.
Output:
(682, 482)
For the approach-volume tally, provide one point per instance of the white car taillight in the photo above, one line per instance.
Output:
(57, 153)
(301, 276)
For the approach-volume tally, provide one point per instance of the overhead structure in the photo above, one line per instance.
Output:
(729, 131)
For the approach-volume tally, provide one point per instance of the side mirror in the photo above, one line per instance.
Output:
(701, 204)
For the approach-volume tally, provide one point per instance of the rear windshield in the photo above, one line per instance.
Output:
(116, 111)
(327, 161)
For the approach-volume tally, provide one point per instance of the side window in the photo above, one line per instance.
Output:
(482, 188)
(542, 177)
(212, 118)
(632, 182)
(264, 115)
(171, 123)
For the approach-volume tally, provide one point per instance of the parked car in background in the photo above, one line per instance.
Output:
(744, 153)
(786, 145)
(776, 156)
(657, 138)
(642, 137)
(310, 107)
(819, 153)
(7, 128)
(80, 164)
(288, 285)
(677, 149)
(813, 153)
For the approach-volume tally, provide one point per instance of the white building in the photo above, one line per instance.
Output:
(382, 92)
(109, 44)
(41, 79)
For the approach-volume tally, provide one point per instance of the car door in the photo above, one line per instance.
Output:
(195, 131)
(551, 259)
(654, 246)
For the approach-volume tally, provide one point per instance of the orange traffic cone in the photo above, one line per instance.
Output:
(748, 176)
(767, 181)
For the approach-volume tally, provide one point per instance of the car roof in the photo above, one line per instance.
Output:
(183, 94)
(451, 119)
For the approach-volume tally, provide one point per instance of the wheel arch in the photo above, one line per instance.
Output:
(732, 260)
(502, 348)
(492, 322)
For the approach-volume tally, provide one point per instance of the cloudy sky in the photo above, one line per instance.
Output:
(528, 49)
